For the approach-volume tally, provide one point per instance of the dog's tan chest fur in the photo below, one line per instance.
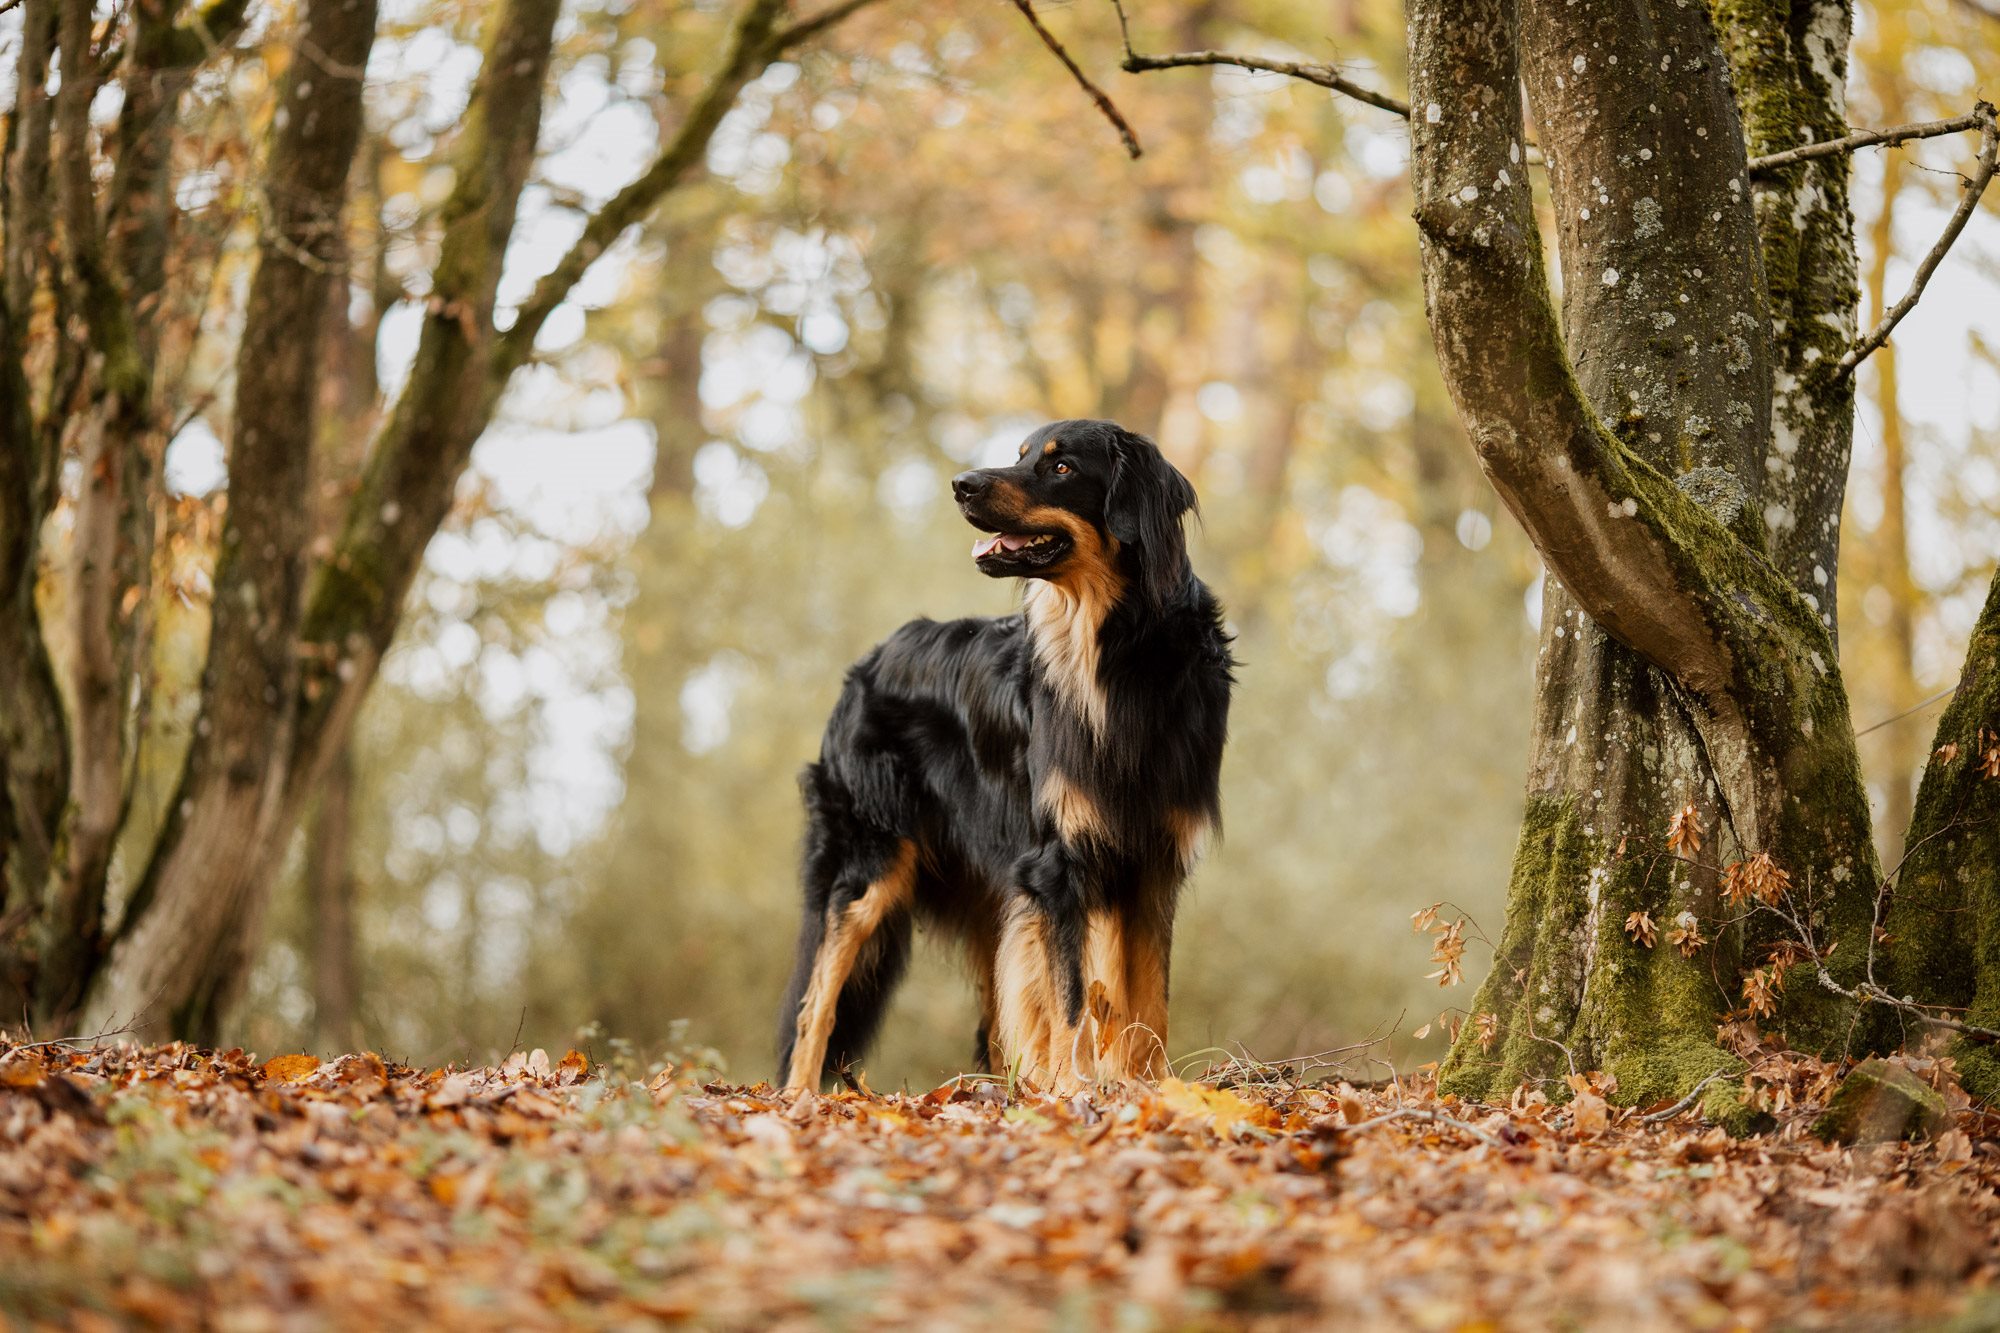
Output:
(1065, 617)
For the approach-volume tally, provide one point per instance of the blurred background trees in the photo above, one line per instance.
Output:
(569, 799)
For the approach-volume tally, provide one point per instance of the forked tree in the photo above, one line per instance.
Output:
(92, 216)
(1696, 845)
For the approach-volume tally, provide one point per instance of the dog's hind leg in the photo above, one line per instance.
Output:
(981, 953)
(865, 939)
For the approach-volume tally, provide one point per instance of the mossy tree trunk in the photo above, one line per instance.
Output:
(1677, 450)
(1943, 917)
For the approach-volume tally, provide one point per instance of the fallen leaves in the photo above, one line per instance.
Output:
(176, 1187)
(1222, 1110)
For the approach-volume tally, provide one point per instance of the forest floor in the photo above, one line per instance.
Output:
(177, 1187)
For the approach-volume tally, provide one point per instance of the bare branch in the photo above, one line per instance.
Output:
(1096, 94)
(1916, 707)
(1928, 129)
(1428, 1117)
(784, 39)
(755, 42)
(1326, 76)
(1968, 200)
(1870, 992)
(1685, 1103)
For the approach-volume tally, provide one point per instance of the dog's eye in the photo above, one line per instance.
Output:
(1062, 468)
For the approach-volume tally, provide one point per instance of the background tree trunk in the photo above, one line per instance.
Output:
(330, 902)
(194, 915)
(295, 642)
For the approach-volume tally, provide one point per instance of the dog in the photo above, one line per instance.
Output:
(1036, 786)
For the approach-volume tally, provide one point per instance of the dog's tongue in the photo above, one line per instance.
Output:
(999, 541)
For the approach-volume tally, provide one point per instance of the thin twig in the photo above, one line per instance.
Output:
(1433, 1117)
(1928, 129)
(1919, 706)
(1868, 992)
(1326, 76)
(1989, 157)
(18, 1047)
(1694, 1095)
(814, 24)
(1096, 94)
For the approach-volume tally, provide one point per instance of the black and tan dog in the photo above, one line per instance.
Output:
(1035, 785)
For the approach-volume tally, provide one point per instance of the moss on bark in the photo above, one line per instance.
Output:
(1944, 916)
(1572, 990)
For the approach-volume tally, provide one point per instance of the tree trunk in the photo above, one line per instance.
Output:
(193, 917)
(330, 901)
(292, 651)
(1680, 666)
(1943, 921)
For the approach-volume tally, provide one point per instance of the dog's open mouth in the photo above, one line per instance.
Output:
(1019, 550)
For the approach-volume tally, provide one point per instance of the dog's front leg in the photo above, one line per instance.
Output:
(1039, 973)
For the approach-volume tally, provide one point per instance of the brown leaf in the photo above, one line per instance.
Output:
(1684, 833)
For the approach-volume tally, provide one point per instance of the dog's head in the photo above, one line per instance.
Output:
(1083, 494)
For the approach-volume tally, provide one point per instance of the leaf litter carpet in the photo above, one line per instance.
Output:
(176, 1187)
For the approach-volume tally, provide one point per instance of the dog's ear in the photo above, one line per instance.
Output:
(1143, 509)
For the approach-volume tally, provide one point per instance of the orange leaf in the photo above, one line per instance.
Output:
(290, 1068)
(1222, 1108)
(23, 1072)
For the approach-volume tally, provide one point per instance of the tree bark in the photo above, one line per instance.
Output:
(185, 941)
(1678, 666)
(192, 916)
(330, 900)
(1943, 919)
(110, 549)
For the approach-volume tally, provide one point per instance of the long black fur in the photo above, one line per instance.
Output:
(943, 730)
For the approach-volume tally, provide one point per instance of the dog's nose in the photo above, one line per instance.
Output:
(966, 485)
